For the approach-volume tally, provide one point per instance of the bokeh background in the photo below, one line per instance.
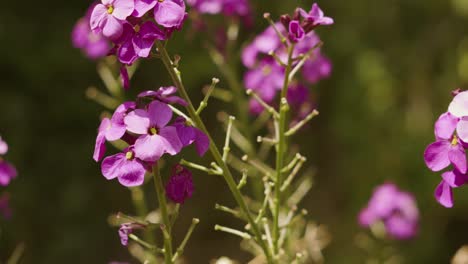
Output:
(395, 63)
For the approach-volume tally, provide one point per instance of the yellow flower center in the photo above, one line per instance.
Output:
(110, 9)
(266, 70)
(454, 141)
(160, 1)
(137, 28)
(153, 131)
(129, 155)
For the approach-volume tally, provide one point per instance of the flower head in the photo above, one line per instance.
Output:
(109, 16)
(180, 185)
(128, 169)
(124, 231)
(155, 137)
(396, 209)
(316, 16)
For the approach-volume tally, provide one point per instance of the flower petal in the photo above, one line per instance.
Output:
(443, 194)
(142, 7)
(159, 114)
(172, 144)
(459, 105)
(436, 155)
(97, 16)
(169, 14)
(112, 27)
(454, 178)
(123, 9)
(99, 147)
(457, 157)
(137, 122)
(133, 173)
(445, 126)
(111, 166)
(202, 142)
(7, 172)
(462, 129)
(150, 147)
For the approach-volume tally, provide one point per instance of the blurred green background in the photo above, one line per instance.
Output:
(395, 63)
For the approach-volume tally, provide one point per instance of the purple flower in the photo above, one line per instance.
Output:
(93, 45)
(207, 6)
(137, 41)
(5, 209)
(316, 69)
(447, 149)
(155, 137)
(180, 185)
(3, 147)
(170, 13)
(239, 8)
(129, 170)
(450, 179)
(396, 209)
(109, 16)
(266, 79)
(189, 134)
(7, 172)
(124, 231)
(296, 32)
(316, 16)
(165, 95)
(267, 41)
(111, 129)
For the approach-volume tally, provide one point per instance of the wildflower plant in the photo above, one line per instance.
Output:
(272, 101)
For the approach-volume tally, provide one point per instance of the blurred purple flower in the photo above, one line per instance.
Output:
(155, 137)
(396, 209)
(180, 185)
(3, 147)
(317, 69)
(93, 45)
(169, 13)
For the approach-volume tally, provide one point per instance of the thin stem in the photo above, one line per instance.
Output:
(233, 231)
(301, 123)
(17, 254)
(144, 243)
(175, 75)
(161, 193)
(204, 103)
(180, 249)
(281, 149)
(226, 148)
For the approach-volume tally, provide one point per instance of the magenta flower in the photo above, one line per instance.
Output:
(109, 16)
(450, 179)
(128, 169)
(155, 137)
(5, 209)
(180, 185)
(165, 95)
(124, 231)
(396, 209)
(447, 149)
(170, 13)
(316, 16)
(191, 135)
(3, 147)
(266, 79)
(459, 108)
(111, 129)
(296, 32)
(267, 41)
(93, 45)
(238, 8)
(137, 41)
(317, 69)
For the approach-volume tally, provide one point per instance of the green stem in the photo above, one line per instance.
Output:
(138, 198)
(161, 193)
(214, 150)
(280, 150)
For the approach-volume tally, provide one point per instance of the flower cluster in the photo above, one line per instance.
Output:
(94, 45)
(132, 26)
(145, 125)
(451, 133)
(396, 209)
(265, 57)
